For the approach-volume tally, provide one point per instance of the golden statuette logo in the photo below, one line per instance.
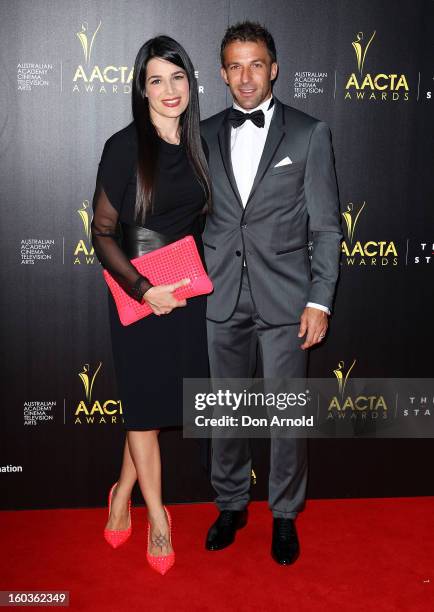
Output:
(360, 51)
(342, 377)
(351, 220)
(83, 212)
(83, 37)
(87, 380)
(84, 251)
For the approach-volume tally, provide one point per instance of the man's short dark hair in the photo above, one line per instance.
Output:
(248, 31)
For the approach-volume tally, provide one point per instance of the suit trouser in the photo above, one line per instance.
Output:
(232, 347)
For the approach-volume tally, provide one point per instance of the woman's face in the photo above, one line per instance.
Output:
(166, 88)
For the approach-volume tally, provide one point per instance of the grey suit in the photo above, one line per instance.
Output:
(258, 307)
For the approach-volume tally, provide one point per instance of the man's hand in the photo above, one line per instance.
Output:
(161, 299)
(315, 322)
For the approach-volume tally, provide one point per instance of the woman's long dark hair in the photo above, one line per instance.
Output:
(167, 48)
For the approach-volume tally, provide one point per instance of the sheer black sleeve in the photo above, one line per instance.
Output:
(114, 171)
(206, 208)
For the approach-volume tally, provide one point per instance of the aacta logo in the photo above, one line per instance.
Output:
(91, 411)
(378, 253)
(369, 86)
(99, 79)
(344, 406)
(84, 252)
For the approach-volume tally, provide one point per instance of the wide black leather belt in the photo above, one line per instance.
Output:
(136, 240)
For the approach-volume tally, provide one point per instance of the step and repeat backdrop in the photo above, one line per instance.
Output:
(366, 68)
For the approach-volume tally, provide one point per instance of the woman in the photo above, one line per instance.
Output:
(153, 181)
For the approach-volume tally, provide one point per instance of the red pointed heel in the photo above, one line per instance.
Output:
(117, 537)
(161, 563)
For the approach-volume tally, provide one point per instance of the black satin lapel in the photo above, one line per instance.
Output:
(276, 132)
(224, 137)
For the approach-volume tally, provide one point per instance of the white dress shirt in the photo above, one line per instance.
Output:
(247, 145)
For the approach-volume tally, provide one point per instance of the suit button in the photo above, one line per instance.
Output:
(244, 226)
(238, 253)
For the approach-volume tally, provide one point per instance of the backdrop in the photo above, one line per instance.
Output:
(366, 68)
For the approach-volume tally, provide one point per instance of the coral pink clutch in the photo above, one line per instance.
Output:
(164, 266)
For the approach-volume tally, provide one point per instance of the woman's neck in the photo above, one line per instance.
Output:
(168, 128)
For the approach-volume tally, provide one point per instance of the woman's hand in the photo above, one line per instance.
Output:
(161, 299)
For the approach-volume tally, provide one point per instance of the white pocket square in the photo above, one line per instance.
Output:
(283, 162)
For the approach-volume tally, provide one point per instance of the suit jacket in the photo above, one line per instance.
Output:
(288, 206)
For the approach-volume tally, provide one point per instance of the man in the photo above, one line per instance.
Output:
(274, 185)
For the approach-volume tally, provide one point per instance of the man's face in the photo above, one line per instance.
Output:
(249, 71)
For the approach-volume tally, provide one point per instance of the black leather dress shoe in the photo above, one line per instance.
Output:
(285, 548)
(222, 532)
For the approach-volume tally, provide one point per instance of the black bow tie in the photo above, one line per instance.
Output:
(237, 118)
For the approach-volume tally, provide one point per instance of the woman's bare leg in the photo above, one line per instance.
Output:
(145, 453)
(119, 510)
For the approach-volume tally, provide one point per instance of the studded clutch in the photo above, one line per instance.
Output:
(164, 266)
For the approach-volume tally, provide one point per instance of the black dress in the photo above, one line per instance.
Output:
(153, 355)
